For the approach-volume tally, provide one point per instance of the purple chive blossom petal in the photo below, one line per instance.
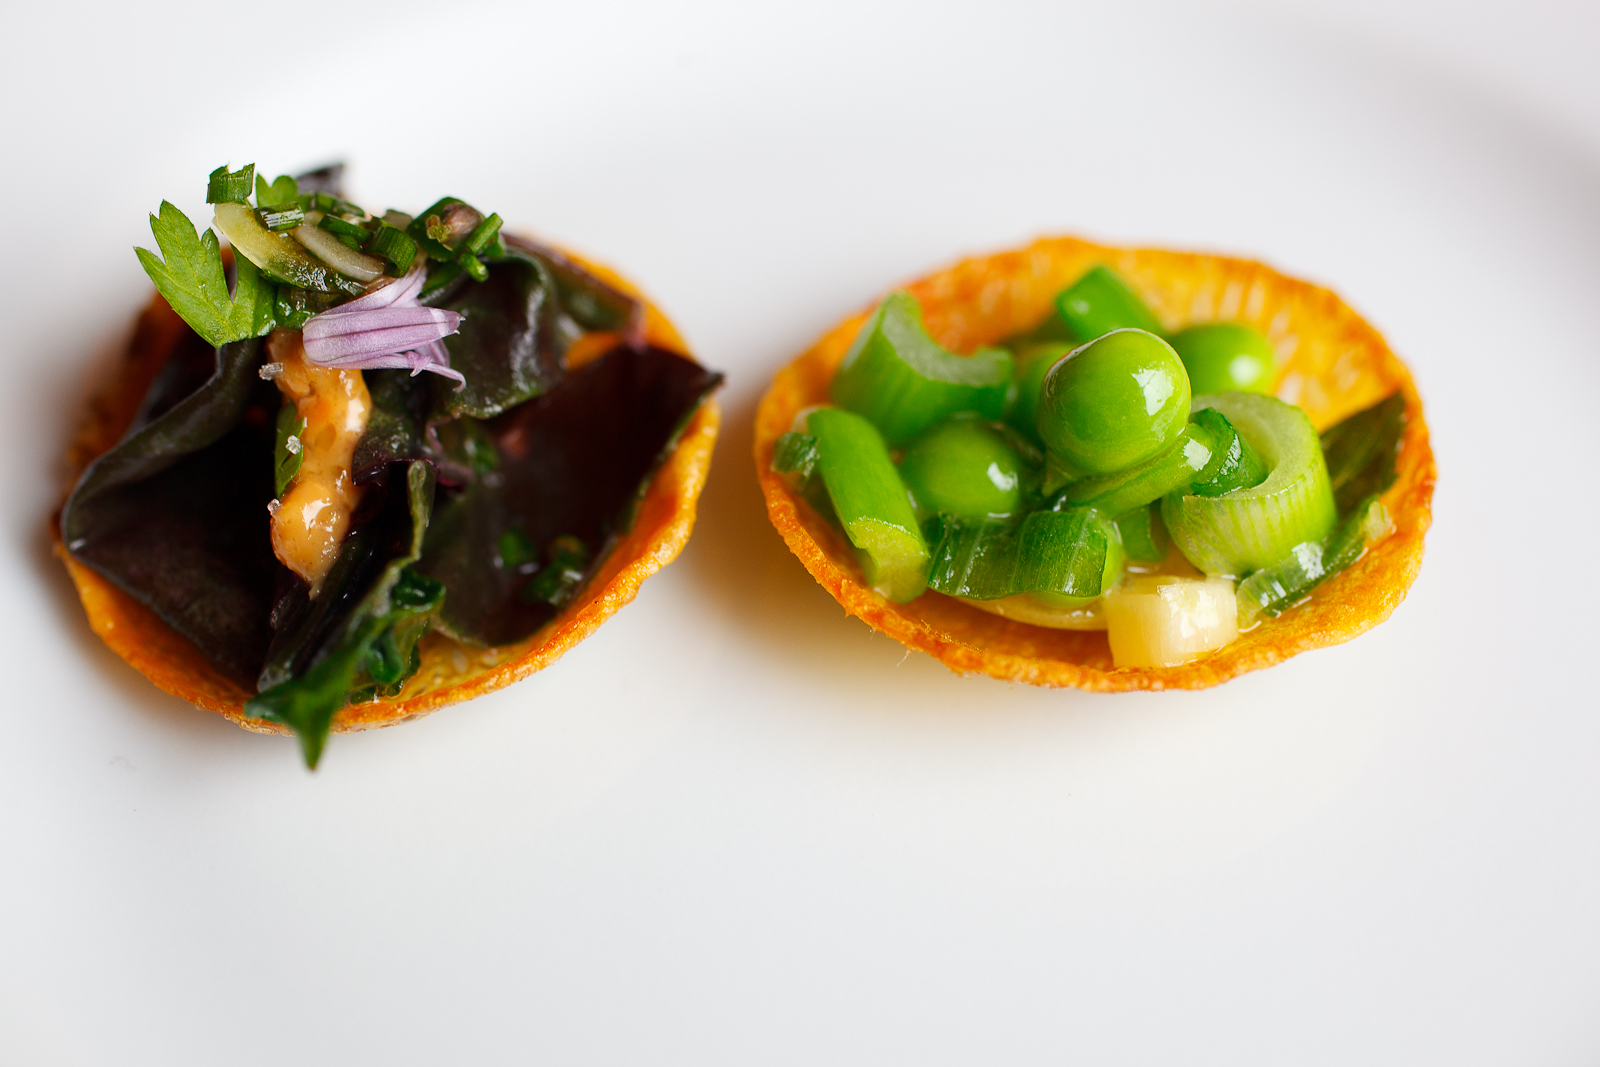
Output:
(386, 328)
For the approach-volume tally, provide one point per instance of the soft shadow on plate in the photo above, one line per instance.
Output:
(742, 570)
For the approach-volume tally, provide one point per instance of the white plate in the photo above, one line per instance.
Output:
(735, 826)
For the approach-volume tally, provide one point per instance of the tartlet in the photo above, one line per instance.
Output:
(1330, 362)
(421, 539)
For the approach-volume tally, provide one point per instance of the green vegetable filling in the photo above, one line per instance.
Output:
(902, 381)
(871, 502)
(528, 498)
(1177, 441)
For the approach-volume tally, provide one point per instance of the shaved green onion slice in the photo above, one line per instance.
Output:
(279, 256)
(1234, 464)
(335, 253)
(1272, 589)
(1249, 529)
(1075, 554)
(871, 502)
(903, 382)
(1174, 469)
(975, 560)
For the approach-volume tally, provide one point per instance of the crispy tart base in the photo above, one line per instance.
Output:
(450, 671)
(1329, 362)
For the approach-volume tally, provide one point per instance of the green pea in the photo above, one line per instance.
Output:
(1117, 401)
(963, 467)
(1225, 357)
(1033, 363)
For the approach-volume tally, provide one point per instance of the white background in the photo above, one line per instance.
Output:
(735, 826)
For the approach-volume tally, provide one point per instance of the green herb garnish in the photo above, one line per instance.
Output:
(280, 192)
(290, 451)
(231, 186)
(192, 280)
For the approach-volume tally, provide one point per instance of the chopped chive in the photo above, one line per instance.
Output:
(319, 202)
(231, 186)
(900, 379)
(483, 235)
(473, 266)
(393, 246)
(279, 192)
(343, 227)
(279, 219)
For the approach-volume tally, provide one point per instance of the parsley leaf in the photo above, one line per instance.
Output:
(192, 281)
(284, 190)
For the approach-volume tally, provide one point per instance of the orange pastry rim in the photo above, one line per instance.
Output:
(1330, 362)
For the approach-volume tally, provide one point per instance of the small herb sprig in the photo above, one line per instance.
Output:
(285, 273)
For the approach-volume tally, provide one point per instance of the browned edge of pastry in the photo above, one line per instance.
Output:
(1329, 361)
(450, 671)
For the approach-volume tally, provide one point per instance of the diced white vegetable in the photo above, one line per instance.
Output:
(278, 255)
(338, 255)
(1086, 615)
(1162, 621)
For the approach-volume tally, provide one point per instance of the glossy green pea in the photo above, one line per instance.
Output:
(1225, 357)
(963, 467)
(1117, 401)
(1033, 363)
